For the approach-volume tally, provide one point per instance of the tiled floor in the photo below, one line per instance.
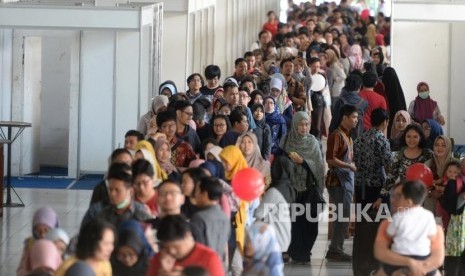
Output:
(71, 205)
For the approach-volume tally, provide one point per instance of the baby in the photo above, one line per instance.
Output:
(412, 227)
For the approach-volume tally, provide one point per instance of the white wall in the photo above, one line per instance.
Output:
(174, 49)
(27, 85)
(96, 109)
(126, 97)
(456, 98)
(425, 60)
(203, 34)
(428, 46)
(55, 100)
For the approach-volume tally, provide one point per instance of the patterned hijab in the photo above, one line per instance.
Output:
(164, 164)
(396, 132)
(233, 156)
(255, 160)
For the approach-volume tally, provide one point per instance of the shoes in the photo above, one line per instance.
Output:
(338, 257)
(292, 262)
(286, 258)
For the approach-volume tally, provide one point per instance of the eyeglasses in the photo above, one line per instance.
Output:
(188, 113)
(167, 126)
(219, 125)
(167, 193)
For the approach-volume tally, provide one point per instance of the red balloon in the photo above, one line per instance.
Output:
(248, 184)
(365, 14)
(420, 171)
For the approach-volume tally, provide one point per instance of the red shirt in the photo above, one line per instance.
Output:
(271, 27)
(201, 256)
(374, 101)
(151, 203)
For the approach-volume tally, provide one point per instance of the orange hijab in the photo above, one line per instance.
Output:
(234, 157)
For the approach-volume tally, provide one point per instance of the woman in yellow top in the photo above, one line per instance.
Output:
(94, 247)
(234, 161)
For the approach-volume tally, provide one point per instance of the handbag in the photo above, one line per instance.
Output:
(331, 179)
(314, 197)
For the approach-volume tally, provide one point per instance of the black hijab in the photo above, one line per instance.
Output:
(394, 94)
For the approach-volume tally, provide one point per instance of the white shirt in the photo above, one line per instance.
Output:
(412, 230)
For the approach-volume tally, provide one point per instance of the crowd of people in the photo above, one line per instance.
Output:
(166, 205)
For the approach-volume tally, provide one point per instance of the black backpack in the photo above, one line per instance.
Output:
(360, 105)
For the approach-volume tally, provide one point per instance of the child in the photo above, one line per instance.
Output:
(262, 252)
(301, 94)
(453, 200)
(60, 238)
(450, 175)
(412, 227)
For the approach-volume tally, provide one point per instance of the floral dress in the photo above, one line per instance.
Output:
(401, 164)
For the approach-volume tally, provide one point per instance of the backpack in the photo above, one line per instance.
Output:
(354, 133)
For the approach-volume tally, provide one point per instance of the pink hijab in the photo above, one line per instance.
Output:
(355, 57)
(44, 253)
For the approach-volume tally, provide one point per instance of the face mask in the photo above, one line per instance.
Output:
(123, 204)
(424, 95)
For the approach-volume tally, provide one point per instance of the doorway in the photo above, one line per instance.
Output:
(45, 82)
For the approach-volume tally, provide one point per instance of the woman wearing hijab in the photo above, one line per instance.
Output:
(168, 88)
(400, 122)
(213, 153)
(432, 130)
(423, 107)
(44, 257)
(262, 131)
(262, 254)
(43, 221)
(355, 57)
(442, 155)
(280, 193)
(248, 144)
(163, 154)
(148, 123)
(395, 99)
(132, 252)
(282, 101)
(233, 162)
(304, 150)
(276, 122)
(144, 150)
